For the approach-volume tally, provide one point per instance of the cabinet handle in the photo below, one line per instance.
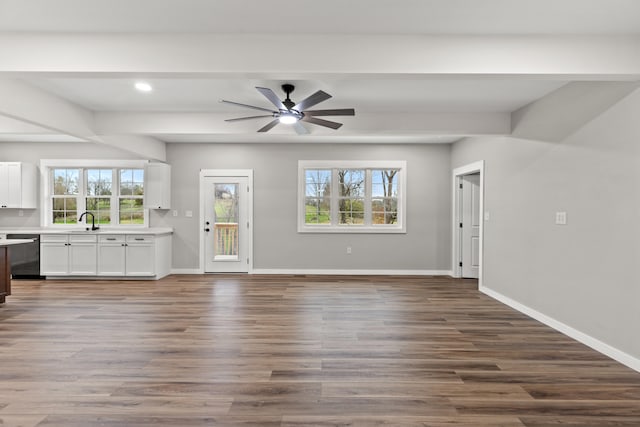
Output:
(111, 238)
(139, 238)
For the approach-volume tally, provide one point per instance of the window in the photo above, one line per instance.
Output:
(98, 200)
(66, 184)
(113, 194)
(131, 196)
(356, 196)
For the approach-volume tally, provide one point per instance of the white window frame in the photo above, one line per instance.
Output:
(46, 167)
(334, 165)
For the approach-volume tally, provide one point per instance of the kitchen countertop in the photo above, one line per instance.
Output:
(156, 231)
(9, 242)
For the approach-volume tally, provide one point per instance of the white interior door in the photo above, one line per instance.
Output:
(470, 235)
(226, 224)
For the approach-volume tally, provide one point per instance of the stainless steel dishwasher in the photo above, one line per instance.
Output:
(25, 258)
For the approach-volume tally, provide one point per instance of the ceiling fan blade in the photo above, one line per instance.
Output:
(321, 122)
(312, 100)
(337, 112)
(271, 96)
(300, 129)
(247, 118)
(269, 125)
(248, 106)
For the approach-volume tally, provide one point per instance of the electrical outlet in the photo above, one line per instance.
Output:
(348, 249)
(561, 218)
(175, 213)
(188, 214)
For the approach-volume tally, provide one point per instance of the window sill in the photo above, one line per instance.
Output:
(352, 230)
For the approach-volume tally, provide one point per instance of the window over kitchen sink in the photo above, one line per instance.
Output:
(113, 191)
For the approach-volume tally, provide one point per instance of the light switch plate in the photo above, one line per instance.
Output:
(188, 214)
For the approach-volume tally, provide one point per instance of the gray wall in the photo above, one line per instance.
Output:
(581, 274)
(33, 152)
(277, 244)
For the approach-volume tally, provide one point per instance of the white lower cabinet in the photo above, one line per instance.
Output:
(111, 256)
(54, 255)
(140, 257)
(68, 255)
(130, 255)
(105, 255)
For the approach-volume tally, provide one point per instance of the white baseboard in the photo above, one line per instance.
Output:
(330, 272)
(353, 272)
(186, 271)
(604, 348)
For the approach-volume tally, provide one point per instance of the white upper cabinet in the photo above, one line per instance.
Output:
(157, 189)
(18, 185)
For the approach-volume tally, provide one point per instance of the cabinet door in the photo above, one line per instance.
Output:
(4, 184)
(140, 259)
(14, 193)
(54, 259)
(83, 259)
(111, 259)
(157, 189)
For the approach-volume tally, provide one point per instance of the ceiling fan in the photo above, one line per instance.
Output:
(291, 113)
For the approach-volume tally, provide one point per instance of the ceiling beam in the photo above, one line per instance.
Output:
(145, 146)
(313, 56)
(366, 124)
(19, 101)
(24, 108)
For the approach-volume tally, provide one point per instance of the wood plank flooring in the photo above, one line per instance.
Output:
(236, 350)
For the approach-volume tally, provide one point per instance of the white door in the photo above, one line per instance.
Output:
(470, 235)
(226, 224)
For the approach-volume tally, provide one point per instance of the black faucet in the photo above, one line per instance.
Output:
(93, 220)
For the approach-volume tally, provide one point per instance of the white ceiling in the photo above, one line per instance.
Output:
(326, 16)
(383, 100)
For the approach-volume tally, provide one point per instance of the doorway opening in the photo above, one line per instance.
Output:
(226, 217)
(468, 221)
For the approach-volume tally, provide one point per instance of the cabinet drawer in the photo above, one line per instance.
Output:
(140, 238)
(83, 238)
(53, 238)
(111, 238)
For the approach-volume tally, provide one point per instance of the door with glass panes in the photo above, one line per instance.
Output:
(226, 224)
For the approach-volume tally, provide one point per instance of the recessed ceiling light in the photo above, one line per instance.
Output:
(143, 87)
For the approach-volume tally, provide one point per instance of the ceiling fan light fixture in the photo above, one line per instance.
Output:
(288, 119)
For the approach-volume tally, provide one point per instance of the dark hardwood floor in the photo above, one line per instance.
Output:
(234, 350)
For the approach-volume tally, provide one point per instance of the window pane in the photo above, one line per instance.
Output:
(318, 196)
(317, 211)
(65, 181)
(131, 211)
(131, 182)
(71, 204)
(384, 183)
(99, 182)
(351, 211)
(351, 182)
(100, 207)
(226, 203)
